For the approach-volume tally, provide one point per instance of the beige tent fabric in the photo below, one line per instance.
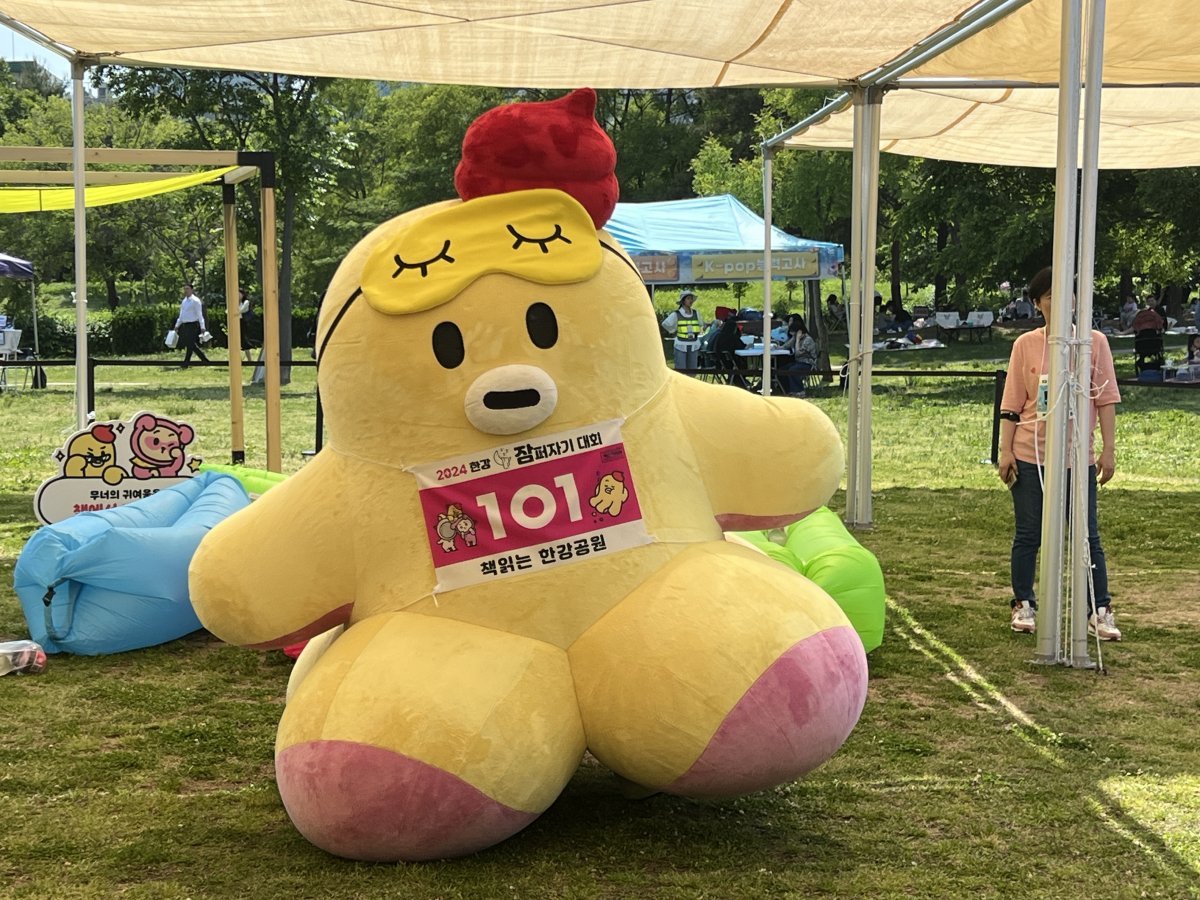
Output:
(1141, 128)
(1146, 42)
(523, 43)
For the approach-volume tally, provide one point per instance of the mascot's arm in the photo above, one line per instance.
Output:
(283, 569)
(765, 461)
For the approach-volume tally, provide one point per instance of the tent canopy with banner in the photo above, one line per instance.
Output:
(11, 267)
(713, 239)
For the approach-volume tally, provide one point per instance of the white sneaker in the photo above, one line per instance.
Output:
(1101, 624)
(1024, 618)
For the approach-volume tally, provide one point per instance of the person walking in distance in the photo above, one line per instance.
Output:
(190, 325)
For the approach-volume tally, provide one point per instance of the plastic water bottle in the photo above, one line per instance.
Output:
(22, 657)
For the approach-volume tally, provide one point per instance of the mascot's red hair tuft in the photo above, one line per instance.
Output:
(553, 144)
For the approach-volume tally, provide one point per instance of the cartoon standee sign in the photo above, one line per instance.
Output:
(113, 463)
(528, 506)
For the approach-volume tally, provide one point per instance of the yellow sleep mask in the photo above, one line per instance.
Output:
(542, 235)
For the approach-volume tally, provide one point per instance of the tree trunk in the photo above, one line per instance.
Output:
(1125, 287)
(1173, 295)
(939, 278)
(896, 294)
(110, 285)
(816, 324)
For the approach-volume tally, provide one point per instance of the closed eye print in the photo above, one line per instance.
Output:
(541, 242)
(443, 254)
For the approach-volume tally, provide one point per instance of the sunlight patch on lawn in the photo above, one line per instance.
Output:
(965, 676)
(1157, 815)
(1166, 807)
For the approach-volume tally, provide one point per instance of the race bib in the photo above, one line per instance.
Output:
(530, 506)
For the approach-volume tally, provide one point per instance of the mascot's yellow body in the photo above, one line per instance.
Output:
(454, 708)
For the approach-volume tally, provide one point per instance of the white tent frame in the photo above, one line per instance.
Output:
(865, 94)
(1069, 359)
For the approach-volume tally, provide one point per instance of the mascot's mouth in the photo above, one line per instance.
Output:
(97, 459)
(511, 399)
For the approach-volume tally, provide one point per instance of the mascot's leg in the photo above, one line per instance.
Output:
(310, 656)
(724, 673)
(415, 737)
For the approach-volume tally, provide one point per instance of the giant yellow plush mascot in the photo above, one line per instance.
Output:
(518, 516)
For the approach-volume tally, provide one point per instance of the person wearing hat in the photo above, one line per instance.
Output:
(687, 327)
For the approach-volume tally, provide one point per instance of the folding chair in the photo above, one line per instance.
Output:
(10, 344)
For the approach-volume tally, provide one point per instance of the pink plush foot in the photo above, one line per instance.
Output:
(364, 802)
(792, 719)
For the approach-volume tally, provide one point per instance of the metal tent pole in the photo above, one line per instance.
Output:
(867, 106)
(80, 179)
(37, 350)
(853, 307)
(1078, 655)
(1058, 334)
(767, 199)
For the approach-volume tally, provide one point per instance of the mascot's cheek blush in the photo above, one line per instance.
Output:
(510, 399)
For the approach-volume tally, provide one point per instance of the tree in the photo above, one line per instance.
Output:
(120, 237)
(284, 114)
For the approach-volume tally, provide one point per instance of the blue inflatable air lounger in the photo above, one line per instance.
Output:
(117, 579)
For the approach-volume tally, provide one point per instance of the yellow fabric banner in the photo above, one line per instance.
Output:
(23, 199)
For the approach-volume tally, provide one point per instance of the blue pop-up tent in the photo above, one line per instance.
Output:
(712, 239)
(11, 267)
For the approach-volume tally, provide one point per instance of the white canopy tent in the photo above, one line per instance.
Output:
(985, 101)
(676, 43)
(519, 43)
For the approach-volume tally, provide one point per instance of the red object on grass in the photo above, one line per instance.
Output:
(293, 650)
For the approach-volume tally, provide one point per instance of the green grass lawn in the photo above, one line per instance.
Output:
(971, 774)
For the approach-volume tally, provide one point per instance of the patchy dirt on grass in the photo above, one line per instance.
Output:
(1157, 598)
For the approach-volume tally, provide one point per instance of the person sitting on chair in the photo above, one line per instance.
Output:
(901, 319)
(804, 355)
(1149, 318)
(1193, 356)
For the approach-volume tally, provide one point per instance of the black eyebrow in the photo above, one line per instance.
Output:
(334, 325)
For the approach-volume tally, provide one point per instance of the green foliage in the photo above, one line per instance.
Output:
(139, 329)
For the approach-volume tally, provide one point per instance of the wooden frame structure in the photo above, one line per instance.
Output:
(248, 165)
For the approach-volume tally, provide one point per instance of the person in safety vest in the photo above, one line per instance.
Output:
(687, 327)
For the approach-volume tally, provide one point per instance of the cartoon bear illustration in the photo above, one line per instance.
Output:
(157, 447)
(452, 523)
(610, 495)
(465, 526)
(443, 721)
(92, 454)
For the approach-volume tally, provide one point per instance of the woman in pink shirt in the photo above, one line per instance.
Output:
(1023, 454)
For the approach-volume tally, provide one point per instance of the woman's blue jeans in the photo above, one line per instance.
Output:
(1027, 539)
